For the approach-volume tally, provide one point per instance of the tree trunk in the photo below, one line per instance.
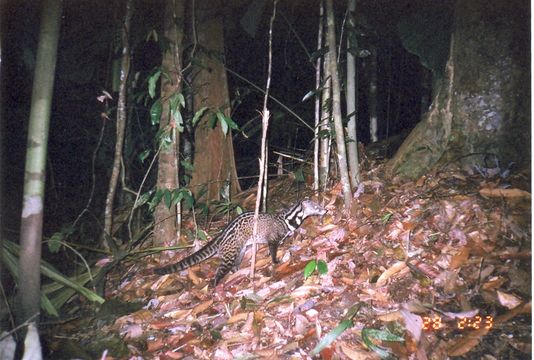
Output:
(34, 175)
(482, 106)
(373, 89)
(214, 162)
(336, 108)
(2, 131)
(324, 128)
(317, 142)
(108, 241)
(352, 104)
(166, 226)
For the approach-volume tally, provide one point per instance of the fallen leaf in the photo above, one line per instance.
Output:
(393, 269)
(202, 307)
(507, 193)
(237, 318)
(508, 300)
(460, 258)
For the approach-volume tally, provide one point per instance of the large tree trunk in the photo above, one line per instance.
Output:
(34, 175)
(482, 105)
(166, 226)
(214, 161)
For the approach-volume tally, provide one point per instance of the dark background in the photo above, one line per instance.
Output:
(90, 29)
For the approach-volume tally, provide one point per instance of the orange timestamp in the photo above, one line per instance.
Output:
(431, 323)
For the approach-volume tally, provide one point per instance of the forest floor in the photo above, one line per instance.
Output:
(431, 269)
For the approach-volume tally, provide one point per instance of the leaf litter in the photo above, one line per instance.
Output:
(395, 280)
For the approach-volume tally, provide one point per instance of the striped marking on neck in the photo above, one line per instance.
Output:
(294, 217)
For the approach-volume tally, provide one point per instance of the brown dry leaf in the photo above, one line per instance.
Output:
(393, 269)
(137, 317)
(356, 354)
(391, 316)
(507, 193)
(202, 307)
(494, 283)
(463, 345)
(460, 258)
(237, 318)
(132, 331)
(178, 314)
(508, 300)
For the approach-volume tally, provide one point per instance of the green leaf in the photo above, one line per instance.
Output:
(152, 82)
(155, 112)
(309, 268)
(198, 115)
(238, 210)
(181, 100)
(155, 200)
(299, 175)
(212, 121)
(177, 196)
(178, 120)
(187, 165)
(143, 199)
(322, 267)
(386, 217)
(189, 200)
(144, 154)
(383, 335)
(222, 121)
(331, 336)
(201, 234)
(9, 257)
(231, 122)
(167, 198)
(54, 244)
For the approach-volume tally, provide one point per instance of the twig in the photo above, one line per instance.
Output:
(265, 125)
(139, 192)
(25, 323)
(93, 161)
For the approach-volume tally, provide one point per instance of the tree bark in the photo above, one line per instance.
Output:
(336, 108)
(34, 175)
(326, 114)
(214, 162)
(166, 225)
(352, 105)
(317, 141)
(373, 88)
(2, 131)
(108, 241)
(482, 105)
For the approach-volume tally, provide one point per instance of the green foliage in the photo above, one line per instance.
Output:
(299, 175)
(226, 207)
(226, 122)
(144, 154)
(155, 112)
(198, 115)
(176, 102)
(64, 287)
(315, 265)
(383, 335)
(168, 196)
(386, 217)
(152, 83)
(345, 324)
(56, 240)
